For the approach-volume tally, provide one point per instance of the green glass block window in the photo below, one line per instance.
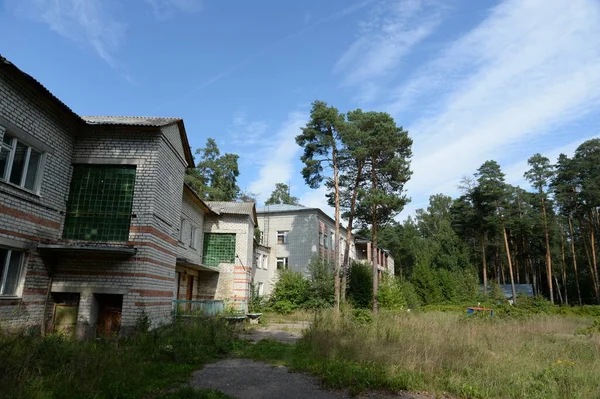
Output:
(218, 248)
(100, 201)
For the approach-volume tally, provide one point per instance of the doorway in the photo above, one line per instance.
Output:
(110, 308)
(189, 292)
(66, 309)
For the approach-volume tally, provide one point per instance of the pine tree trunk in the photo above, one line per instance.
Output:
(574, 260)
(595, 268)
(560, 298)
(588, 256)
(533, 275)
(346, 265)
(374, 240)
(484, 265)
(548, 255)
(336, 240)
(564, 267)
(510, 268)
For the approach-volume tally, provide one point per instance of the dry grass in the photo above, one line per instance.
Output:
(537, 357)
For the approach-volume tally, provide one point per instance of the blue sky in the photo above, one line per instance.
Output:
(470, 80)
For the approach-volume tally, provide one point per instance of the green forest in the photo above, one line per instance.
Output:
(546, 235)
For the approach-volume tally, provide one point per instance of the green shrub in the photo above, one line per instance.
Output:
(362, 315)
(410, 295)
(390, 293)
(360, 285)
(320, 284)
(290, 291)
(427, 285)
(256, 302)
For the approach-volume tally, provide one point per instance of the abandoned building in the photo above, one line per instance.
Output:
(296, 234)
(96, 225)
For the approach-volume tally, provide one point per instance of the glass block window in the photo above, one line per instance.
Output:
(100, 201)
(218, 248)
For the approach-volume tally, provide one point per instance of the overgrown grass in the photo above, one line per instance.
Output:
(54, 367)
(471, 357)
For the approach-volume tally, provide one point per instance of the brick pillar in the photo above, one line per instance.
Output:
(85, 316)
(369, 252)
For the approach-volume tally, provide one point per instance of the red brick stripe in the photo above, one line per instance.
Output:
(120, 274)
(152, 245)
(153, 303)
(35, 291)
(15, 234)
(153, 293)
(154, 231)
(29, 217)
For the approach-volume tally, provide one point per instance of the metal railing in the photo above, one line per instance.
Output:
(208, 307)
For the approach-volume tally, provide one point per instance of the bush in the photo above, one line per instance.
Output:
(256, 303)
(321, 290)
(390, 294)
(410, 295)
(360, 285)
(290, 291)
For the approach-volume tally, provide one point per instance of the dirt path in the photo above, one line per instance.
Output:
(249, 379)
(287, 333)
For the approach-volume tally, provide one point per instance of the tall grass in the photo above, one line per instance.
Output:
(480, 357)
(55, 367)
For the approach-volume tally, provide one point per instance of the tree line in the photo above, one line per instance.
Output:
(546, 236)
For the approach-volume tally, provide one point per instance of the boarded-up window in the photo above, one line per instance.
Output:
(218, 248)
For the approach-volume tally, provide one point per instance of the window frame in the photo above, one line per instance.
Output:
(285, 263)
(265, 264)
(284, 235)
(6, 262)
(12, 149)
(194, 237)
(325, 240)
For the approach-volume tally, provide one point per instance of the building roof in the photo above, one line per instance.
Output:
(151, 121)
(233, 208)
(102, 120)
(282, 208)
(146, 121)
(12, 68)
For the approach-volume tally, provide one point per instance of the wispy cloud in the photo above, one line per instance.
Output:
(513, 79)
(269, 47)
(277, 159)
(164, 9)
(391, 32)
(245, 133)
(91, 23)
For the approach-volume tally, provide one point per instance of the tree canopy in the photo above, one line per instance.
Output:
(215, 176)
(282, 195)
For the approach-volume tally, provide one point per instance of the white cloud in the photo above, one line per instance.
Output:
(164, 9)
(512, 79)
(246, 133)
(277, 159)
(390, 32)
(89, 22)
